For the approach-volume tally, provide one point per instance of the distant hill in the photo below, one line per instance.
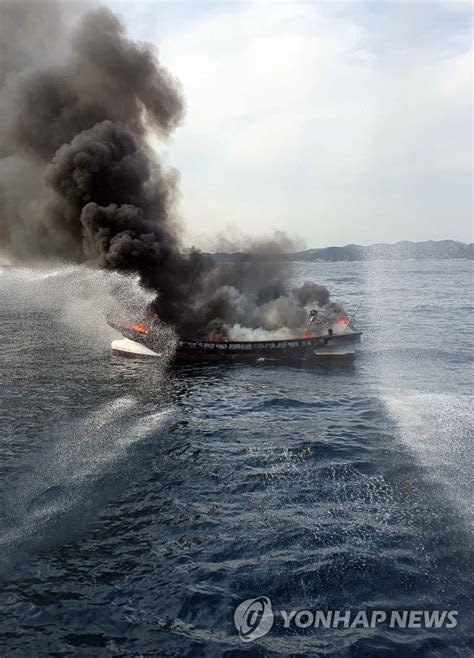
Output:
(429, 250)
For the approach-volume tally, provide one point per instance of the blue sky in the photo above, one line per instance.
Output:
(337, 122)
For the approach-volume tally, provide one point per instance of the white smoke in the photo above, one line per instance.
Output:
(239, 333)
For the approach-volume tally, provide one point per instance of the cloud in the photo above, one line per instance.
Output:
(339, 122)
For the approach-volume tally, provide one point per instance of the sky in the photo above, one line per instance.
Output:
(336, 122)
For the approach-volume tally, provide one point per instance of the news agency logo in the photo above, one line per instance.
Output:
(253, 618)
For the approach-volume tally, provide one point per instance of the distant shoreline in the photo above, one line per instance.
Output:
(428, 250)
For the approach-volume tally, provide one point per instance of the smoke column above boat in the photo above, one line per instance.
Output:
(79, 180)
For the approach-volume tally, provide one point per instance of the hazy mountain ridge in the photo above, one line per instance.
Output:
(428, 250)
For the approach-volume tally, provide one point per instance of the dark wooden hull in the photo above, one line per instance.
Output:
(341, 346)
(331, 346)
(336, 346)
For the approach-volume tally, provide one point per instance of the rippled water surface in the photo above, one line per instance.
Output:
(141, 505)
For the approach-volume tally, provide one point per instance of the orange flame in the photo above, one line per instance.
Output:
(342, 320)
(306, 334)
(137, 326)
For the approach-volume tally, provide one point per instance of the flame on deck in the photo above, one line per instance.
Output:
(137, 326)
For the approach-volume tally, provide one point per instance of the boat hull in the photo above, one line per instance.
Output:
(314, 348)
(128, 347)
(297, 350)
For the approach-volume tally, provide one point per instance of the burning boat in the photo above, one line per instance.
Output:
(321, 340)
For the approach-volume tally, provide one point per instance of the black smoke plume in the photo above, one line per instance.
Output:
(79, 181)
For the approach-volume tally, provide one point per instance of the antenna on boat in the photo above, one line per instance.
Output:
(353, 316)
